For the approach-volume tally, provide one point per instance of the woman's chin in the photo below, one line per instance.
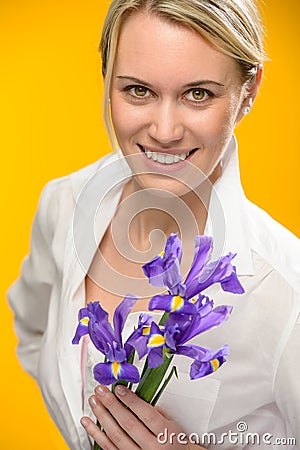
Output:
(162, 185)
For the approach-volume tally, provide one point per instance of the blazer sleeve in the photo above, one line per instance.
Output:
(287, 382)
(29, 296)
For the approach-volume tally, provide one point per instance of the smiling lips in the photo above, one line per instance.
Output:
(165, 158)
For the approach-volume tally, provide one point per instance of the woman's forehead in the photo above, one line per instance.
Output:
(151, 46)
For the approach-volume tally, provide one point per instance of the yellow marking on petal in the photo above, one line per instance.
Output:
(193, 300)
(156, 340)
(146, 331)
(162, 254)
(115, 368)
(85, 321)
(215, 364)
(177, 303)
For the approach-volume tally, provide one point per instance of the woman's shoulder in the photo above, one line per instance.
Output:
(74, 181)
(59, 196)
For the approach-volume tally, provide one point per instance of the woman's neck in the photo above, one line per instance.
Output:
(150, 218)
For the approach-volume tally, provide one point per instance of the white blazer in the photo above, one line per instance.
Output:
(260, 382)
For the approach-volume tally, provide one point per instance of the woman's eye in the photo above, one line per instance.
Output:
(139, 91)
(197, 95)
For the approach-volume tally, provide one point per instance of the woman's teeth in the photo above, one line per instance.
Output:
(165, 158)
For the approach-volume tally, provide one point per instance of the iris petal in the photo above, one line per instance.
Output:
(82, 327)
(164, 269)
(96, 311)
(172, 303)
(121, 314)
(139, 343)
(219, 271)
(217, 316)
(156, 340)
(177, 303)
(203, 249)
(173, 247)
(161, 302)
(81, 330)
(129, 373)
(103, 373)
(204, 305)
(232, 284)
(116, 369)
(194, 351)
(155, 357)
(223, 351)
(99, 336)
(139, 337)
(110, 372)
(201, 369)
(83, 312)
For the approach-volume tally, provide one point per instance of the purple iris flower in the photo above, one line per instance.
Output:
(181, 328)
(209, 363)
(93, 320)
(139, 337)
(164, 270)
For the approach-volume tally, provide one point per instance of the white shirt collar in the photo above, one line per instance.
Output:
(227, 215)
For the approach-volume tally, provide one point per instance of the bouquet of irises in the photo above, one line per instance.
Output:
(186, 314)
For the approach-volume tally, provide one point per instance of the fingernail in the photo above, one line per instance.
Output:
(93, 401)
(100, 390)
(121, 390)
(84, 422)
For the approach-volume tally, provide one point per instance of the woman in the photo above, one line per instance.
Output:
(179, 76)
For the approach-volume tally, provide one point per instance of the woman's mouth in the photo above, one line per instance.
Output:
(166, 158)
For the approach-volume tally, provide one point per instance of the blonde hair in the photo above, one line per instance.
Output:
(231, 26)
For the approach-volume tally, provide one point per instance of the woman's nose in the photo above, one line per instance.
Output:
(166, 124)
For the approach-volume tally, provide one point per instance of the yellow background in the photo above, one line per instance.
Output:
(50, 125)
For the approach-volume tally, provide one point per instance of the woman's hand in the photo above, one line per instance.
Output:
(130, 423)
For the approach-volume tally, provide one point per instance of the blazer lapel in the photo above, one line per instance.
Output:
(97, 197)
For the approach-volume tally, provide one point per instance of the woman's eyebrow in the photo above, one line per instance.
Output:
(192, 84)
(200, 82)
(134, 80)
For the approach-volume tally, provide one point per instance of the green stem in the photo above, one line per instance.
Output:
(164, 318)
(157, 396)
(96, 446)
(152, 379)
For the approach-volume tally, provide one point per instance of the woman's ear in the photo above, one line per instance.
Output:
(254, 85)
(250, 93)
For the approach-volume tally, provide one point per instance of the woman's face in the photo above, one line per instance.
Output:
(174, 99)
